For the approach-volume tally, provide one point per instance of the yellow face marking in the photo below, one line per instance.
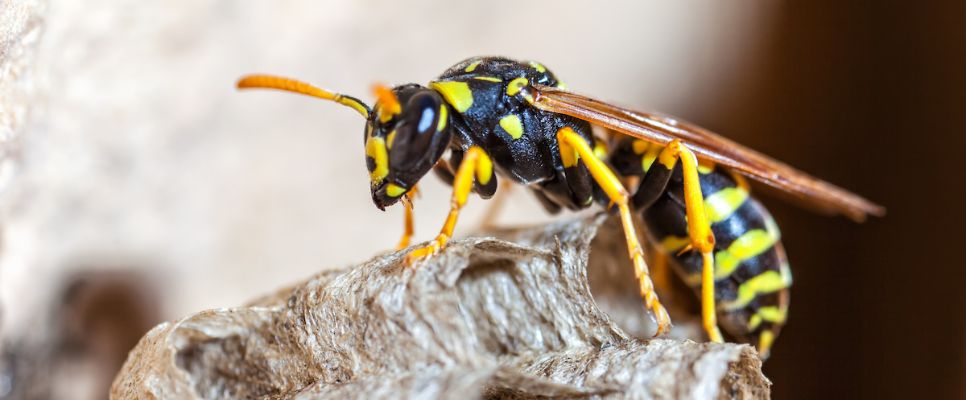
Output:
(472, 66)
(394, 190)
(443, 118)
(390, 138)
(512, 125)
(539, 67)
(516, 85)
(561, 85)
(764, 283)
(639, 146)
(721, 204)
(748, 245)
(376, 148)
(488, 78)
(457, 94)
(484, 170)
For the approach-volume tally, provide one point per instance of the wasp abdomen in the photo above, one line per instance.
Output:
(751, 270)
(750, 267)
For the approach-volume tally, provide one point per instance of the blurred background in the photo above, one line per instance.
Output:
(137, 186)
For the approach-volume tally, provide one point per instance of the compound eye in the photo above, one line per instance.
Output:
(423, 112)
(417, 137)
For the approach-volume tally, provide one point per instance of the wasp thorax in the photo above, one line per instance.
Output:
(405, 137)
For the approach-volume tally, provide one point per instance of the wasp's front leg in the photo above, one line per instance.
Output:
(475, 166)
(408, 228)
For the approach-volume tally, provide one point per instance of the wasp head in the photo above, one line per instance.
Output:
(405, 136)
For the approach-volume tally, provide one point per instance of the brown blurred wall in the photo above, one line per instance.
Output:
(870, 97)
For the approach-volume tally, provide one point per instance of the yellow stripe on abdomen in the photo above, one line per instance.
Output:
(772, 314)
(722, 204)
(671, 244)
(767, 282)
(745, 247)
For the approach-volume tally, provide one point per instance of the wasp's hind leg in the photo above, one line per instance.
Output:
(475, 166)
(573, 150)
(699, 228)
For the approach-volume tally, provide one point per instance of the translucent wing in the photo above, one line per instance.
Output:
(663, 129)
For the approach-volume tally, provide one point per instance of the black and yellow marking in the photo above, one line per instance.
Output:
(443, 118)
(751, 273)
(377, 152)
(472, 66)
(456, 93)
(488, 79)
(512, 125)
(514, 87)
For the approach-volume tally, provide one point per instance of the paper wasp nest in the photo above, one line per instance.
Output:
(486, 318)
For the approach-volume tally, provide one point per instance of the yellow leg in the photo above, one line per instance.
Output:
(572, 147)
(699, 230)
(408, 228)
(476, 164)
(660, 271)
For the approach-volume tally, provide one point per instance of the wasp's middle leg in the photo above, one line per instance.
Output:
(573, 150)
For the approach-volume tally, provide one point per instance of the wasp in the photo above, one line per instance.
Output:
(500, 118)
